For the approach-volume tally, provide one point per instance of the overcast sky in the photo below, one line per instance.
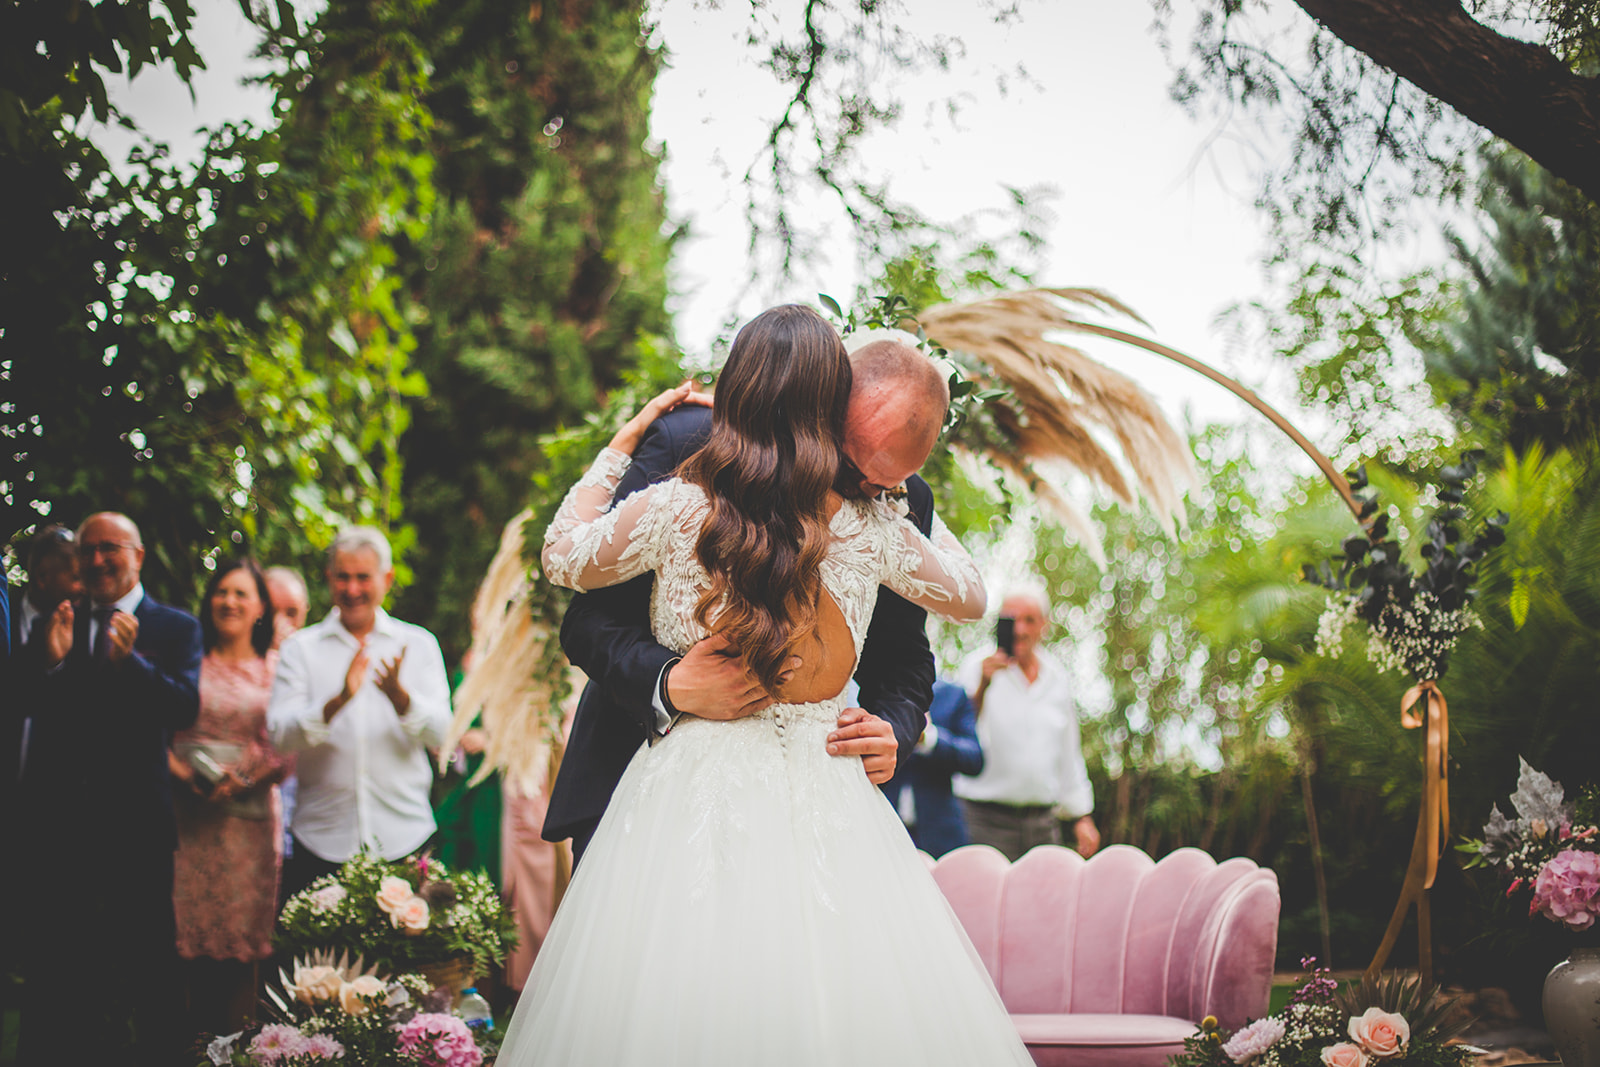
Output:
(1148, 204)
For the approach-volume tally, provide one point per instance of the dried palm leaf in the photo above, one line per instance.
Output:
(1066, 410)
(505, 683)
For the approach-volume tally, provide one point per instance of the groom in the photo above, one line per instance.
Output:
(897, 404)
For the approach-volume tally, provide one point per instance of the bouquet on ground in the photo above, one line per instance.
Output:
(1387, 1020)
(1550, 850)
(334, 1010)
(401, 915)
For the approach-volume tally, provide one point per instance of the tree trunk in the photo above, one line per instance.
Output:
(1517, 91)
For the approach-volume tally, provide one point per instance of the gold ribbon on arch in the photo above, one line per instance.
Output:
(1435, 715)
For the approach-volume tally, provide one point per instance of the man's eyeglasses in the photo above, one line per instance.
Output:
(103, 548)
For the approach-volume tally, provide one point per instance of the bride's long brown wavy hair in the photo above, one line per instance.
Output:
(776, 427)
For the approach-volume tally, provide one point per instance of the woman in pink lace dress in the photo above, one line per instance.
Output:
(230, 823)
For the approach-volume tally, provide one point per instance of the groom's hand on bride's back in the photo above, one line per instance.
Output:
(861, 733)
(711, 681)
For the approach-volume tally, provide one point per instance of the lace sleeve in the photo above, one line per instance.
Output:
(936, 574)
(588, 546)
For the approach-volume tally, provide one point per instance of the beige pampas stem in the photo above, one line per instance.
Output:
(1066, 404)
(504, 683)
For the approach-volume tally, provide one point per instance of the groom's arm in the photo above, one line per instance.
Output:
(896, 671)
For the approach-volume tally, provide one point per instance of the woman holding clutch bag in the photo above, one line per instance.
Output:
(230, 823)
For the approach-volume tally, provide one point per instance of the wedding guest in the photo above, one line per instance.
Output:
(290, 603)
(106, 685)
(360, 697)
(230, 832)
(1033, 774)
(51, 560)
(52, 564)
(921, 787)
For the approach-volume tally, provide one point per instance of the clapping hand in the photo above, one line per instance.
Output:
(356, 674)
(388, 683)
(627, 439)
(58, 634)
(123, 631)
(354, 677)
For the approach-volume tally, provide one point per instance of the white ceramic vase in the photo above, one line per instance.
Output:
(1572, 1008)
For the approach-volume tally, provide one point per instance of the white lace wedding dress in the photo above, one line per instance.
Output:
(748, 899)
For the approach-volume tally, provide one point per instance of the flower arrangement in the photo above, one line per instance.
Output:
(335, 1010)
(400, 915)
(1386, 1020)
(1550, 850)
(1413, 620)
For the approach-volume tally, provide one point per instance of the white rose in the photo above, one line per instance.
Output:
(355, 997)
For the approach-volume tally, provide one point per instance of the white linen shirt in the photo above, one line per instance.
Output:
(1032, 752)
(365, 776)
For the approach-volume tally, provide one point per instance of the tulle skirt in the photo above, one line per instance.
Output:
(750, 900)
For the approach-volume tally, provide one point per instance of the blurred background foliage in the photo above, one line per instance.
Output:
(415, 299)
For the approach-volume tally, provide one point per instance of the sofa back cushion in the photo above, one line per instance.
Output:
(1119, 934)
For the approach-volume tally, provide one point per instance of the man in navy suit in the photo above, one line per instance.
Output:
(920, 789)
(638, 687)
(107, 682)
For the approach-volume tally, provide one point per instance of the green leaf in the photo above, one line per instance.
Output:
(831, 304)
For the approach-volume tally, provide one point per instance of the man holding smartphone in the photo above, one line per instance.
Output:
(1033, 776)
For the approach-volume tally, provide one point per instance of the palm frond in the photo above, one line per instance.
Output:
(1066, 409)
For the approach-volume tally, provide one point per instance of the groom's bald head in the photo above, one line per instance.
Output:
(898, 400)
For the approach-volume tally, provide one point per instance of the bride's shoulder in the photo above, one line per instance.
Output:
(681, 496)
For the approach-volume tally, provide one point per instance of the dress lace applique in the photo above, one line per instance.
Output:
(588, 546)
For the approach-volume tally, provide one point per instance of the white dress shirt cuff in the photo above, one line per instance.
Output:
(930, 738)
(415, 721)
(314, 730)
(663, 717)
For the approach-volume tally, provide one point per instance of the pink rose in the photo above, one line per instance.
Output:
(393, 893)
(1380, 1033)
(1344, 1054)
(412, 916)
(356, 997)
(1568, 889)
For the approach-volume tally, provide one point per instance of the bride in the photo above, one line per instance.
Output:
(749, 899)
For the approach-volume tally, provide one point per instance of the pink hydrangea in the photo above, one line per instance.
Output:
(1253, 1040)
(277, 1042)
(437, 1040)
(1568, 889)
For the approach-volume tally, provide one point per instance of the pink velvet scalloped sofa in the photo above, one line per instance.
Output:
(1113, 961)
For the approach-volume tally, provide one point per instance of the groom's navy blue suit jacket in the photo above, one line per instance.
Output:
(606, 633)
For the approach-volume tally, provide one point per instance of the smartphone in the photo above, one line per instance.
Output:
(1005, 634)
